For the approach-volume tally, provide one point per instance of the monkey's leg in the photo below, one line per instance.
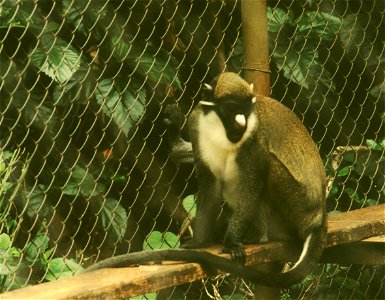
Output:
(234, 236)
(260, 230)
(250, 212)
(208, 209)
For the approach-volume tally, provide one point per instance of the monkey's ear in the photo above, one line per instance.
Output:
(207, 103)
(207, 95)
(254, 99)
(207, 87)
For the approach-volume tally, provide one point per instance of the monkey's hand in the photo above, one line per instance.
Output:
(181, 151)
(174, 120)
(236, 251)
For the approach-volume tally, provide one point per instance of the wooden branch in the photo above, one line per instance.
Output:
(121, 283)
(366, 252)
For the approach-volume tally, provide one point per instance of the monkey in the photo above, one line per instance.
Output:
(254, 155)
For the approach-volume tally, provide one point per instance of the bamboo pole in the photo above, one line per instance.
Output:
(255, 45)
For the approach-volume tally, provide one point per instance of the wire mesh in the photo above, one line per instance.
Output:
(85, 165)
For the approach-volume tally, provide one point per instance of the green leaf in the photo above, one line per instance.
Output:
(148, 296)
(59, 268)
(7, 268)
(299, 67)
(81, 15)
(8, 265)
(156, 68)
(349, 157)
(189, 205)
(11, 17)
(121, 105)
(370, 202)
(334, 190)
(382, 144)
(14, 281)
(353, 194)
(48, 254)
(351, 33)
(318, 25)
(157, 240)
(278, 18)
(122, 179)
(36, 203)
(5, 242)
(79, 88)
(154, 241)
(42, 116)
(114, 218)
(36, 247)
(120, 47)
(56, 58)
(373, 145)
(81, 182)
(344, 171)
(171, 239)
(378, 90)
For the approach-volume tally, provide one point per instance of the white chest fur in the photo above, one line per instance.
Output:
(218, 153)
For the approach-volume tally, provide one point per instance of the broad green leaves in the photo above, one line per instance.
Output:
(189, 204)
(322, 26)
(278, 18)
(356, 165)
(120, 104)
(59, 268)
(14, 261)
(112, 215)
(9, 256)
(158, 240)
(56, 58)
(296, 53)
(159, 69)
(37, 247)
(113, 218)
(81, 182)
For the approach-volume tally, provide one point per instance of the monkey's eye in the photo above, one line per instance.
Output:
(231, 107)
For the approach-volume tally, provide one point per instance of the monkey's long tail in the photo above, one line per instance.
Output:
(311, 253)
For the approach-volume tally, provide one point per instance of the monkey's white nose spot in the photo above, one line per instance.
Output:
(241, 120)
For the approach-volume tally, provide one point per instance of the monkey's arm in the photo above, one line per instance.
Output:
(181, 150)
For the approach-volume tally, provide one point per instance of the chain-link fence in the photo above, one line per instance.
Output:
(84, 160)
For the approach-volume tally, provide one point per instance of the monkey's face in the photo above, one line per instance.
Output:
(233, 113)
(231, 98)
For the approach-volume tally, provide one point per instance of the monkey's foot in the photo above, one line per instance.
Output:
(236, 251)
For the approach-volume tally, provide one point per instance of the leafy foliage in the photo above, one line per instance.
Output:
(355, 167)
(189, 205)
(17, 264)
(158, 240)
